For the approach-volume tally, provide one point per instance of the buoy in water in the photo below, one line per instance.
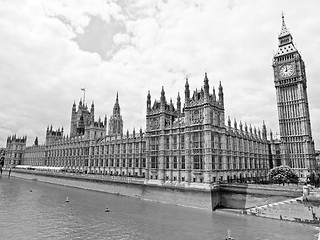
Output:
(107, 210)
(67, 199)
(30, 190)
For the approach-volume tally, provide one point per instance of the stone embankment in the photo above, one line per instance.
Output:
(300, 209)
(131, 187)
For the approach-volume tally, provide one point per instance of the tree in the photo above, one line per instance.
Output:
(314, 178)
(283, 174)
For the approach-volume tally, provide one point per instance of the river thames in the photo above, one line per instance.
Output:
(35, 210)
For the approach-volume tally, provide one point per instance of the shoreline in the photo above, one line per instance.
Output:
(204, 199)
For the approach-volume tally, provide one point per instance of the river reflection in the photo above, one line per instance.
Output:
(35, 210)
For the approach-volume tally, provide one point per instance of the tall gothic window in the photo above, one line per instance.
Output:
(167, 142)
(175, 162)
(154, 162)
(182, 141)
(154, 143)
(143, 162)
(175, 142)
(130, 162)
(197, 162)
(167, 162)
(183, 162)
(213, 163)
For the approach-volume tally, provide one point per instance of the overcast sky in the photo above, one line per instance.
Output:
(51, 49)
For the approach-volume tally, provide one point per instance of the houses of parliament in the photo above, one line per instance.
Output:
(189, 144)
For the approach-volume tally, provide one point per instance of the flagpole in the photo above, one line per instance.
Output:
(84, 96)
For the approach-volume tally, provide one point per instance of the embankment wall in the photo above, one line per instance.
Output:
(242, 196)
(198, 198)
(237, 196)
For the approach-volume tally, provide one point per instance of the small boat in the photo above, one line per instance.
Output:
(67, 199)
(229, 237)
(107, 209)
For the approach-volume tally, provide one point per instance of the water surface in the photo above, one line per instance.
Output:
(35, 210)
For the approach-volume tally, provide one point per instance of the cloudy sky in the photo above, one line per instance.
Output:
(50, 49)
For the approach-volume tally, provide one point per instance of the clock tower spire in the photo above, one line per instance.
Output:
(293, 110)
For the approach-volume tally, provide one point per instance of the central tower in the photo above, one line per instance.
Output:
(115, 122)
(290, 81)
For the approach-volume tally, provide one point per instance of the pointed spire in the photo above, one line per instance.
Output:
(116, 107)
(74, 106)
(179, 103)
(163, 97)
(148, 100)
(229, 122)
(187, 84)
(264, 131)
(186, 94)
(284, 29)
(220, 87)
(206, 84)
(235, 124)
(221, 101)
(214, 95)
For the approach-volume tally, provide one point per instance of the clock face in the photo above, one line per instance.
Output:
(286, 70)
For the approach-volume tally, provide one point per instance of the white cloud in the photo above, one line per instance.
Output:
(44, 64)
(121, 38)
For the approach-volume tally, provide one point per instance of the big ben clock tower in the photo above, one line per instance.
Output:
(297, 146)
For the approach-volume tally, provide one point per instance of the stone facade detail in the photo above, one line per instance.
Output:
(14, 154)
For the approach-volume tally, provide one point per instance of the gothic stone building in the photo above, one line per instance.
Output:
(297, 145)
(187, 146)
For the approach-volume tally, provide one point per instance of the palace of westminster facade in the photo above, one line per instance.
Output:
(185, 145)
